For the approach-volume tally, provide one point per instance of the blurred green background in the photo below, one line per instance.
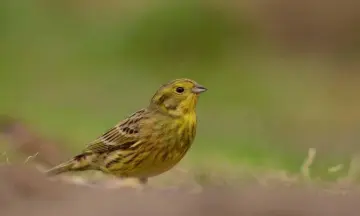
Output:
(282, 76)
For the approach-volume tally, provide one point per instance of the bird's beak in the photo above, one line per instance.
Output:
(199, 89)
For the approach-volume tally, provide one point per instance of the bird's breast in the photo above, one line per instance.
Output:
(168, 144)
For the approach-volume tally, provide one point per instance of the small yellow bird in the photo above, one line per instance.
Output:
(150, 141)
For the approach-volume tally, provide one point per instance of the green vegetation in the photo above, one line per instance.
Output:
(74, 72)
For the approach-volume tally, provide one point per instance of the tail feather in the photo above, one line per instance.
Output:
(78, 163)
(61, 168)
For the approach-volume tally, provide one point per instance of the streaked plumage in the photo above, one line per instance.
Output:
(150, 141)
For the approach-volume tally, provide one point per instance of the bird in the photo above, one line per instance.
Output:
(148, 142)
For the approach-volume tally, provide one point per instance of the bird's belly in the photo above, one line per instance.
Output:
(152, 163)
(156, 165)
(162, 166)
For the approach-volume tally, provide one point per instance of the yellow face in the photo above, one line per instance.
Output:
(178, 96)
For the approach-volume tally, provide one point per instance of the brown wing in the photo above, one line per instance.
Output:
(121, 136)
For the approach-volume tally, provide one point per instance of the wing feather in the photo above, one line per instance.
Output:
(121, 136)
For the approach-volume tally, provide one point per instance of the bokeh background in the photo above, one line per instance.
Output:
(283, 76)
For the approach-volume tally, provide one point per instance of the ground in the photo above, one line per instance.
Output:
(25, 191)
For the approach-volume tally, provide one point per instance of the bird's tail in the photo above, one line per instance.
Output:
(78, 163)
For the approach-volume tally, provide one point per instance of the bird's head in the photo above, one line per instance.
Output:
(178, 97)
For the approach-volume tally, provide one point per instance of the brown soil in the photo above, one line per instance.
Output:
(25, 191)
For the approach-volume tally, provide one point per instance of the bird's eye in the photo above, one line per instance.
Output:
(179, 89)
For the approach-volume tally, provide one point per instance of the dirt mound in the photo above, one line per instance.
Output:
(24, 191)
(26, 141)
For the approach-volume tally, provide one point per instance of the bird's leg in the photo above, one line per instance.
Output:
(140, 184)
(136, 183)
(143, 181)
